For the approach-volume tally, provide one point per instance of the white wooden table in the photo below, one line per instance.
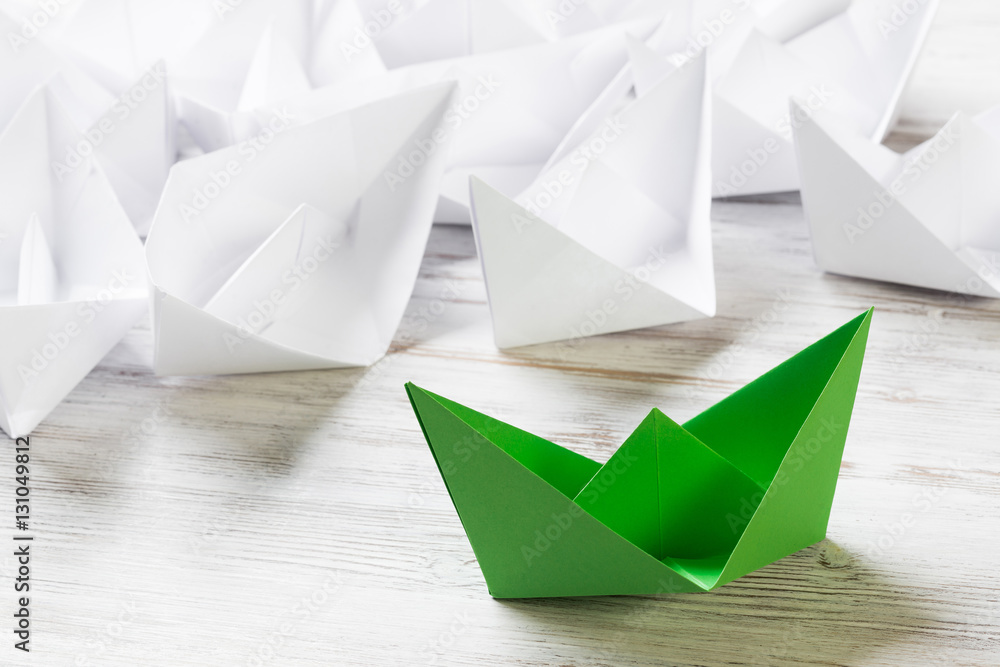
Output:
(298, 518)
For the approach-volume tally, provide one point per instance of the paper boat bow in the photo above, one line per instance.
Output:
(676, 508)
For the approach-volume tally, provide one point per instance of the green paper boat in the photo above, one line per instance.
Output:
(678, 508)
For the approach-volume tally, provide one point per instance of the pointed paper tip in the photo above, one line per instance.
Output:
(478, 190)
(797, 108)
(866, 316)
(659, 416)
(859, 327)
(413, 392)
(477, 184)
(859, 323)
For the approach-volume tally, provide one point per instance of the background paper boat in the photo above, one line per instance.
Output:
(298, 250)
(129, 127)
(929, 218)
(677, 508)
(854, 62)
(616, 235)
(254, 56)
(441, 29)
(512, 108)
(25, 65)
(117, 41)
(72, 277)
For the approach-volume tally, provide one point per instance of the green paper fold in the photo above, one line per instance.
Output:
(678, 508)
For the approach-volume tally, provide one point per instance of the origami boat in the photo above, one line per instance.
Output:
(71, 269)
(852, 58)
(296, 251)
(678, 508)
(929, 218)
(615, 236)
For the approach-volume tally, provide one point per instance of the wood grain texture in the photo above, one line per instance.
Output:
(298, 518)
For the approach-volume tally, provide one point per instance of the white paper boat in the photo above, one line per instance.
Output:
(130, 130)
(27, 63)
(72, 277)
(853, 59)
(254, 56)
(929, 218)
(298, 250)
(616, 235)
